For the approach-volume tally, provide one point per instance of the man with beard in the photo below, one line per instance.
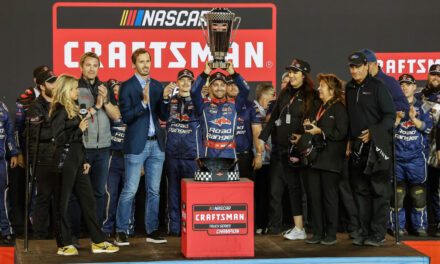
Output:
(46, 179)
(431, 95)
(183, 137)
(100, 100)
(140, 100)
(218, 115)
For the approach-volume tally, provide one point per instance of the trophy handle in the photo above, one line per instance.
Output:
(202, 19)
(235, 32)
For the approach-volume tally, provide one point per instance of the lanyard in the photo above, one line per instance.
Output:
(320, 113)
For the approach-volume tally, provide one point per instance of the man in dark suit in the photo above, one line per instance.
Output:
(140, 98)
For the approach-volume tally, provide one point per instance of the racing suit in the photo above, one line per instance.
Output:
(8, 148)
(181, 150)
(218, 118)
(116, 177)
(247, 116)
(412, 146)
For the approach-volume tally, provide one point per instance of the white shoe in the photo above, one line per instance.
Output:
(295, 234)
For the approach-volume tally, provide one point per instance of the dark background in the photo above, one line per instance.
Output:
(322, 32)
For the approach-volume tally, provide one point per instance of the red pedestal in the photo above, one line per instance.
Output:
(217, 219)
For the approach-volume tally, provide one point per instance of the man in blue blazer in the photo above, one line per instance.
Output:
(140, 99)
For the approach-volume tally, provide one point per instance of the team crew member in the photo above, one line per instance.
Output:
(412, 146)
(295, 103)
(265, 96)
(96, 96)
(183, 142)
(431, 95)
(47, 181)
(331, 126)
(285, 79)
(70, 162)
(218, 115)
(17, 174)
(371, 113)
(248, 130)
(8, 148)
(140, 101)
(399, 99)
(116, 174)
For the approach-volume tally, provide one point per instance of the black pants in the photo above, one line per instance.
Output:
(322, 192)
(47, 188)
(346, 194)
(73, 180)
(282, 175)
(261, 194)
(372, 194)
(17, 190)
(245, 165)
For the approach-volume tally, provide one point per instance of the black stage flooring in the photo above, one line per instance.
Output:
(267, 246)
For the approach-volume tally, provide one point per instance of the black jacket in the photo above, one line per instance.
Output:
(39, 110)
(334, 126)
(282, 107)
(66, 132)
(369, 103)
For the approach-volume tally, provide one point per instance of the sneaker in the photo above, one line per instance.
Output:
(154, 237)
(69, 250)
(259, 231)
(104, 247)
(421, 233)
(355, 234)
(328, 241)
(121, 239)
(375, 241)
(296, 234)
(314, 240)
(402, 232)
(359, 241)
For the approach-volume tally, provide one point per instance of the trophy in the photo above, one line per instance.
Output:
(219, 22)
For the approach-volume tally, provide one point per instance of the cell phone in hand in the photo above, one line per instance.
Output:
(308, 127)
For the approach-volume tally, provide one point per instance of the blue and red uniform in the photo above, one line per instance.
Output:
(218, 118)
(412, 147)
(181, 150)
(8, 148)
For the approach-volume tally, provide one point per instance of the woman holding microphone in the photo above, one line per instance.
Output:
(330, 127)
(70, 163)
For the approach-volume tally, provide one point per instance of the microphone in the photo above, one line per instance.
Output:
(83, 112)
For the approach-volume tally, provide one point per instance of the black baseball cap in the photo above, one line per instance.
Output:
(39, 70)
(46, 76)
(407, 78)
(357, 58)
(299, 65)
(229, 80)
(434, 69)
(185, 73)
(112, 82)
(217, 76)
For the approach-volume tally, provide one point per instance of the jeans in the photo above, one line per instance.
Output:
(152, 159)
(98, 173)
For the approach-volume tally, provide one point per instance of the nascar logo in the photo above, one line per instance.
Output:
(221, 121)
(168, 18)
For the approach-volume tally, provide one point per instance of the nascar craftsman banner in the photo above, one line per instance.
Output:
(171, 32)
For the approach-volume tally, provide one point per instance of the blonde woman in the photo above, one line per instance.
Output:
(70, 162)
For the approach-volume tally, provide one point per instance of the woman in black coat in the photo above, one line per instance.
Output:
(70, 163)
(330, 126)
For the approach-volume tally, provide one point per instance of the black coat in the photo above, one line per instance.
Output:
(334, 126)
(39, 110)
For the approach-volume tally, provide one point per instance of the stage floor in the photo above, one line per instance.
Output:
(266, 247)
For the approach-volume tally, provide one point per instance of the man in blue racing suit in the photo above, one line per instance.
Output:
(218, 114)
(183, 140)
(412, 146)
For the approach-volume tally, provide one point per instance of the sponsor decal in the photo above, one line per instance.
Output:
(407, 124)
(221, 121)
(220, 219)
(415, 63)
(171, 32)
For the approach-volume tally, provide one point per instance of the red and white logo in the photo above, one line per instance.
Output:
(221, 121)
(415, 63)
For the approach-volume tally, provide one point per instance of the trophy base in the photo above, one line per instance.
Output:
(219, 65)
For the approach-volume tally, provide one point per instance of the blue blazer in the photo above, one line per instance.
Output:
(137, 118)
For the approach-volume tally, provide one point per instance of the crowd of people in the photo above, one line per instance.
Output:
(90, 143)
